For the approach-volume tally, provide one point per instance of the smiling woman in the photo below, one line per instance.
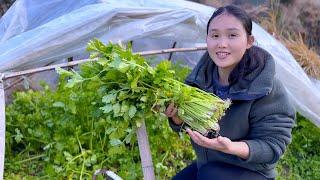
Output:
(227, 42)
(256, 129)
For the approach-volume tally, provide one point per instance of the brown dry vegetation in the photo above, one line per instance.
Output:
(297, 26)
(5, 5)
(308, 59)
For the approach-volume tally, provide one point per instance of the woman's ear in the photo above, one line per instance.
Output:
(250, 41)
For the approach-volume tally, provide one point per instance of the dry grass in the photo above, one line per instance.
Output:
(309, 18)
(308, 59)
(215, 3)
(270, 23)
(285, 23)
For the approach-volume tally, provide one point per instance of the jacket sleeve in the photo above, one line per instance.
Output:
(271, 121)
(174, 127)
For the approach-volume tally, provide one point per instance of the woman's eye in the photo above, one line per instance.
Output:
(233, 35)
(215, 36)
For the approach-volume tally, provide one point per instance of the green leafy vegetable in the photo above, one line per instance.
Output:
(89, 121)
(135, 80)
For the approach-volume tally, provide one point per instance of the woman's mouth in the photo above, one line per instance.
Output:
(222, 55)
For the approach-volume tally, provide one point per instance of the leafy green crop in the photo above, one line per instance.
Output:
(64, 134)
(302, 158)
(67, 133)
(134, 90)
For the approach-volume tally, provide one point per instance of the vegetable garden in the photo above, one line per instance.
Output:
(89, 122)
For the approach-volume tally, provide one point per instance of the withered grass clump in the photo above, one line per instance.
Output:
(308, 59)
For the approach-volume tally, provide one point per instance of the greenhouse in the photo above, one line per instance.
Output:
(47, 130)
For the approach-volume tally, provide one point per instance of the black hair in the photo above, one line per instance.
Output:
(247, 64)
(238, 13)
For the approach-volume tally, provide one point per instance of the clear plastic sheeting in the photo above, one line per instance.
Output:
(316, 82)
(68, 33)
(27, 15)
(34, 33)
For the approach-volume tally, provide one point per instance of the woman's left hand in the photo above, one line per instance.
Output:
(220, 143)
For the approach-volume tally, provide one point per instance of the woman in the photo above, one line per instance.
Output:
(257, 127)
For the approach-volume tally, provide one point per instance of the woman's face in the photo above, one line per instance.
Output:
(227, 41)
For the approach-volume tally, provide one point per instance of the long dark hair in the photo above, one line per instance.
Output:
(247, 64)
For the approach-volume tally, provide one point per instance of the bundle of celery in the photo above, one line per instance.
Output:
(133, 88)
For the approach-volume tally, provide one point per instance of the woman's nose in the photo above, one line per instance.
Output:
(222, 43)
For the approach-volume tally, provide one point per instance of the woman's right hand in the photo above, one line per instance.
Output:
(171, 112)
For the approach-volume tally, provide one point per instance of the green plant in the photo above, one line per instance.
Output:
(64, 134)
(302, 158)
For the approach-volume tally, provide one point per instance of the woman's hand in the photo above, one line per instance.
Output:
(171, 112)
(220, 143)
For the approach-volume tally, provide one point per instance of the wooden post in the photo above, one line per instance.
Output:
(145, 153)
(173, 46)
(2, 127)
(70, 59)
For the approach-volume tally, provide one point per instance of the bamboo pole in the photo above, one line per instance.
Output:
(2, 127)
(74, 63)
(46, 68)
(164, 51)
(145, 153)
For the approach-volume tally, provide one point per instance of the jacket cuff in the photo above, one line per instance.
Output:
(259, 152)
